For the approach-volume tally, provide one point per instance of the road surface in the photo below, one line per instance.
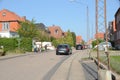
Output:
(48, 66)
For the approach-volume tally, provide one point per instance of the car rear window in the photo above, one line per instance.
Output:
(62, 46)
(78, 45)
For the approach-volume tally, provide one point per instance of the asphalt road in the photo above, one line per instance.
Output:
(48, 66)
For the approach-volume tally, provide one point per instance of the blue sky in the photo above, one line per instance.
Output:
(63, 13)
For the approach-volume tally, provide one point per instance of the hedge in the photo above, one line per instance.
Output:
(11, 44)
(26, 44)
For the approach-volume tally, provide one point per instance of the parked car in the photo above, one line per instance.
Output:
(117, 47)
(102, 45)
(79, 47)
(63, 49)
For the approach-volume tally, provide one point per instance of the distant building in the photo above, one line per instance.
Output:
(9, 23)
(40, 26)
(78, 39)
(117, 24)
(99, 36)
(55, 31)
(112, 32)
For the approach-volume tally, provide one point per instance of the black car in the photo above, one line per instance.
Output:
(79, 47)
(63, 49)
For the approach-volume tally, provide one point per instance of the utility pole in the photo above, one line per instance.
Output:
(87, 25)
(88, 32)
(106, 34)
(97, 30)
(101, 25)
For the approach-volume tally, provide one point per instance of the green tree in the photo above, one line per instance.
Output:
(83, 42)
(8, 43)
(94, 43)
(74, 38)
(27, 29)
(69, 38)
(44, 36)
(26, 44)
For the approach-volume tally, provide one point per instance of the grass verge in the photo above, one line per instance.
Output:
(114, 63)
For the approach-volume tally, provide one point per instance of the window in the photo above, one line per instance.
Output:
(5, 26)
(4, 14)
(56, 31)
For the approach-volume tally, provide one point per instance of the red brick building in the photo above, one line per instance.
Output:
(9, 23)
(78, 39)
(112, 32)
(55, 31)
(117, 33)
(99, 36)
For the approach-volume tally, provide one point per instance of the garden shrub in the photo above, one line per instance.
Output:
(26, 44)
(12, 44)
(9, 44)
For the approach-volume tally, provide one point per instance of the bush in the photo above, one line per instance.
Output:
(2, 52)
(9, 44)
(94, 43)
(26, 44)
(12, 44)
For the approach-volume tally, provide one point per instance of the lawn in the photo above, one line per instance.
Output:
(114, 63)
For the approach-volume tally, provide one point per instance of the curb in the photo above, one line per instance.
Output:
(17, 55)
(14, 56)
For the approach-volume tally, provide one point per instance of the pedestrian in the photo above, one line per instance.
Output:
(35, 47)
(45, 47)
(39, 48)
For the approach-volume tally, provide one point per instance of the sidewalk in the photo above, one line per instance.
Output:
(70, 69)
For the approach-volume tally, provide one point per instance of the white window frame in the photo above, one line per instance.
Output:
(5, 26)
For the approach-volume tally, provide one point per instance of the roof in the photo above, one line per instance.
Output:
(117, 11)
(6, 15)
(78, 39)
(52, 28)
(99, 35)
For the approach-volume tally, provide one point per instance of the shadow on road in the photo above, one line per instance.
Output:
(90, 70)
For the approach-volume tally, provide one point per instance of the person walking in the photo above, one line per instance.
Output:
(35, 48)
(40, 48)
(45, 47)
